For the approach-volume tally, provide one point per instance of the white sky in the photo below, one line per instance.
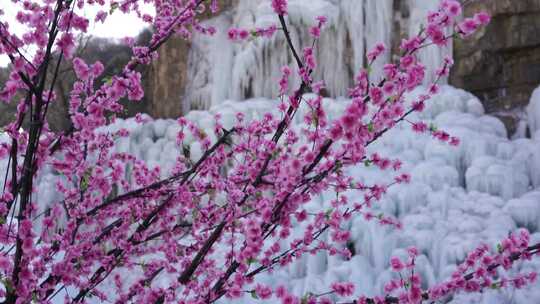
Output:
(118, 25)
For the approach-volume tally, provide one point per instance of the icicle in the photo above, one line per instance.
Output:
(220, 70)
(432, 57)
(378, 28)
(209, 67)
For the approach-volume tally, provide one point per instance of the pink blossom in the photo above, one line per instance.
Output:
(376, 95)
(396, 264)
(482, 18)
(281, 291)
(407, 61)
(468, 26)
(410, 44)
(403, 178)
(284, 82)
(454, 141)
(66, 44)
(390, 71)
(266, 32)
(263, 292)
(315, 31)
(280, 7)
(451, 7)
(412, 251)
(436, 35)
(236, 34)
(322, 19)
(343, 289)
(376, 52)
(81, 69)
(419, 127)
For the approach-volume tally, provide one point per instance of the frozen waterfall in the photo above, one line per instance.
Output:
(218, 71)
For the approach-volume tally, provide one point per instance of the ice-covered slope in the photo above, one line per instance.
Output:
(458, 198)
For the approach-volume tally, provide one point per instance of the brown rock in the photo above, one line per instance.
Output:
(501, 63)
(167, 79)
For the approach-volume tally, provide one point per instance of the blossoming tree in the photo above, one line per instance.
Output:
(207, 230)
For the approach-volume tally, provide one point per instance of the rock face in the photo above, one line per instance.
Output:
(167, 79)
(501, 63)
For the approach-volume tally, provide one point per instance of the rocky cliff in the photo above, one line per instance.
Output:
(167, 79)
(501, 63)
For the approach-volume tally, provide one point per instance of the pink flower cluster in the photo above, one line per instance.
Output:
(266, 32)
(479, 270)
(408, 286)
(315, 31)
(343, 289)
(377, 51)
(280, 7)
(470, 25)
(284, 81)
(238, 34)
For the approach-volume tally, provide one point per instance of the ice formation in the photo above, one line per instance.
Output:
(251, 69)
(533, 112)
(209, 65)
(459, 196)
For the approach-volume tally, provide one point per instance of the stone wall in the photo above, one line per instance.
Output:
(501, 63)
(167, 79)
